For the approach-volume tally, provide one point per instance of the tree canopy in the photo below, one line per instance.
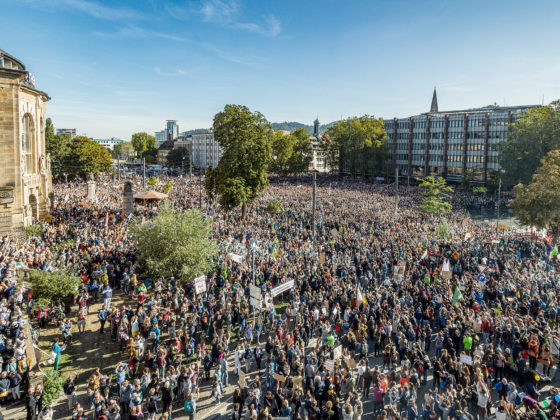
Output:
(436, 195)
(87, 157)
(178, 158)
(143, 142)
(122, 150)
(246, 139)
(48, 286)
(58, 148)
(292, 153)
(175, 243)
(538, 203)
(533, 135)
(360, 144)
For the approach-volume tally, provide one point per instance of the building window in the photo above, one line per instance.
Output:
(27, 146)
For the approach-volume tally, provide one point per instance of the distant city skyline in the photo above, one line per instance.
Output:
(115, 68)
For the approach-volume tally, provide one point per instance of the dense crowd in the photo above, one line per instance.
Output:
(387, 317)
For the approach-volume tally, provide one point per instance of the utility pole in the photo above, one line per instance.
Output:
(314, 200)
(253, 263)
(397, 189)
(143, 172)
(498, 208)
(182, 162)
(119, 167)
(200, 189)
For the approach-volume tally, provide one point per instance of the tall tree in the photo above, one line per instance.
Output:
(534, 134)
(176, 243)
(361, 143)
(282, 150)
(87, 157)
(178, 158)
(246, 139)
(436, 195)
(143, 142)
(538, 204)
(302, 153)
(58, 148)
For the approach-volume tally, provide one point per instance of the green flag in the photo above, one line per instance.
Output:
(554, 251)
(457, 295)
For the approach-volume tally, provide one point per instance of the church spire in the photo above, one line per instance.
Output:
(434, 107)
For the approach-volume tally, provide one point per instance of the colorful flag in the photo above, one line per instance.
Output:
(554, 251)
(457, 295)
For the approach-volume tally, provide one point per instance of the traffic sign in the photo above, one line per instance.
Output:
(481, 278)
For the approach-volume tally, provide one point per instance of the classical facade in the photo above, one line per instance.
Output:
(25, 177)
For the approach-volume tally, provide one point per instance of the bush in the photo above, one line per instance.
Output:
(57, 284)
(443, 231)
(152, 182)
(33, 230)
(167, 187)
(52, 386)
(274, 207)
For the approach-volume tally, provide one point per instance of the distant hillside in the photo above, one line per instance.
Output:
(292, 125)
(195, 131)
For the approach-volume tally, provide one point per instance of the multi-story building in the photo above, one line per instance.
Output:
(25, 172)
(447, 143)
(109, 143)
(71, 131)
(171, 132)
(206, 152)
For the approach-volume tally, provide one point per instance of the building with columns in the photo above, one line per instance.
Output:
(25, 177)
(447, 143)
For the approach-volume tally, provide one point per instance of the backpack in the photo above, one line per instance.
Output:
(188, 407)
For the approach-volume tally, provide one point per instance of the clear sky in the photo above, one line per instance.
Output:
(117, 67)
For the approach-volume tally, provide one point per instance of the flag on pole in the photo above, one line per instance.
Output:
(457, 295)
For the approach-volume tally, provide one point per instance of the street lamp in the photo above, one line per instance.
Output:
(314, 199)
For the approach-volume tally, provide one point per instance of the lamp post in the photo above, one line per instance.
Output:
(314, 200)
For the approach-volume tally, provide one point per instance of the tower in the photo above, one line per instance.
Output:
(316, 128)
(434, 107)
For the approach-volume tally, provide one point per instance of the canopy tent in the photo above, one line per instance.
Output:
(150, 196)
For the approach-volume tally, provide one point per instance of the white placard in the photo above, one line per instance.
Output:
(200, 284)
(255, 292)
(237, 258)
(282, 288)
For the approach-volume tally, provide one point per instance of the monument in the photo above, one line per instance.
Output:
(25, 177)
(128, 198)
(90, 187)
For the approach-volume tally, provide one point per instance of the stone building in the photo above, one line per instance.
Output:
(25, 177)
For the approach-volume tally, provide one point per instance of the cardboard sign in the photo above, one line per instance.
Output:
(279, 378)
(200, 284)
(297, 381)
(351, 364)
(337, 352)
(466, 359)
(255, 291)
(329, 365)
(446, 275)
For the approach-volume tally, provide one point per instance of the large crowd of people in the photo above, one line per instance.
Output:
(384, 314)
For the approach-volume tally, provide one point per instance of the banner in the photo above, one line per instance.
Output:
(237, 258)
(282, 288)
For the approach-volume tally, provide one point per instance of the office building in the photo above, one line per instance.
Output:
(171, 132)
(25, 169)
(206, 152)
(71, 131)
(109, 143)
(447, 143)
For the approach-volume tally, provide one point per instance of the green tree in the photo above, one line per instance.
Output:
(361, 144)
(178, 158)
(176, 243)
(533, 135)
(274, 207)
(167, 187)
(302, 154)
(87, 157)
(538, 204)
(143, 142)
(282, 150)
(436, 195)
(52, 386)
(58, 148)
(122, 150)
(152, 181)
(50, 286)
(246, 139)
(470, 175)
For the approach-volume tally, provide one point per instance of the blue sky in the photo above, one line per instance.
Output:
(116, 67)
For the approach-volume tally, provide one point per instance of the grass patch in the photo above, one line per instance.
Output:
(281, 307)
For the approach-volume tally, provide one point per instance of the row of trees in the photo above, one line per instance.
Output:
(79, 156)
